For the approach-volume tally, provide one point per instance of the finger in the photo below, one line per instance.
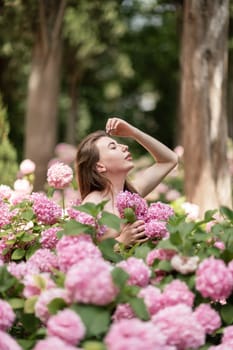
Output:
(140, 234)
(142, 240)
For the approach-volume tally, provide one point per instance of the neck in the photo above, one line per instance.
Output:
(117, 182)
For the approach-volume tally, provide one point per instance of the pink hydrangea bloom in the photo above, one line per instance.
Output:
(49, 237)
(156, 229)
(230, 267)
(22, 186)
(44, 260)
(7, 342)
(6, 214)
(153, 298)
(180, 326)
(66, 325)
(172, 195)
(3, 245)
(185, 264)
(65, 152)
(126, 199)
(45, 209)
(228, 336)
(21, 269)
(192, 210)
(208, 318)
(139, 272)
(27, 166)
(5, 192)
(177, 292)
(135, 334)
(73, 249)
(90, 281)
(213, 279)
(123, 311)
(219, 244)
(7, 315)
(59, 175)
(160, 254)
(80, 216)
(34, 284)
(159, 211)
(52, 343)
(41, 306)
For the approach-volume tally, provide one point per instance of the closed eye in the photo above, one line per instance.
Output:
(112, 145)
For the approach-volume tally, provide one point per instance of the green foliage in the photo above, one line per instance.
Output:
(95, 318)
(8, 158)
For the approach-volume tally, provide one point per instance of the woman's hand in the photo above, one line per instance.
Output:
(119, 127)
(132, 233)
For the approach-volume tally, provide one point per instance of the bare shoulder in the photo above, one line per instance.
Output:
(93, 197)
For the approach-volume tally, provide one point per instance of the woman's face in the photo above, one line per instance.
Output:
(114, 157)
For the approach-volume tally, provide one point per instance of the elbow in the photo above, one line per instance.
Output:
(174, 161)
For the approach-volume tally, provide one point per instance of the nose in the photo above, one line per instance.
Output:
(124, 148)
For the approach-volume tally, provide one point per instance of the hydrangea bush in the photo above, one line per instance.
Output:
(63, 287)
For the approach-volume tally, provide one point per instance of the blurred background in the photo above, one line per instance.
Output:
(165, 66)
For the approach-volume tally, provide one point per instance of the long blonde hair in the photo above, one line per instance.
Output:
(88, 178)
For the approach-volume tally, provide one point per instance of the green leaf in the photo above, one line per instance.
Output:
(27, 237)
(227, 212)
(27, 214)
(29, 305)
(166, 244)
(16, 303)
(91, 208)
(7, 280)
(119, 276)
(30, 322)
(164, 265)
(93, 345)
(56, 305)
(227, 313)
(110, 220)
(31, 250)
(26, 344)
(95, 318)
(139, 308)
(142, 251)
(209, 214)
(176, 239)
(107, 249)
(18, 254)
(129, 215)
(74, 228)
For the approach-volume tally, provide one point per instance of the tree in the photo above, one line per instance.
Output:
(203, 102)
(43, 87)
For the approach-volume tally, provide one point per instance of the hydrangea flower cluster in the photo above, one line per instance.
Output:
(134, 334)
(66, 325)
(73, 249)
(90, 282)
(47, 211)
(214, 279)
(7, 315)
(155, 216)
(49, 237)
(139, 272)
(59, 175)
(185, 332)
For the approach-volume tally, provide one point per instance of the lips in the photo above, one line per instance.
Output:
(128, 157)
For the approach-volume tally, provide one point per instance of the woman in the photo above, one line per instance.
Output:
(102, 166)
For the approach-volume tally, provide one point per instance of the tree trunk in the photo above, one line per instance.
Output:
(230, 84)
(203, 103)
(43, 90)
